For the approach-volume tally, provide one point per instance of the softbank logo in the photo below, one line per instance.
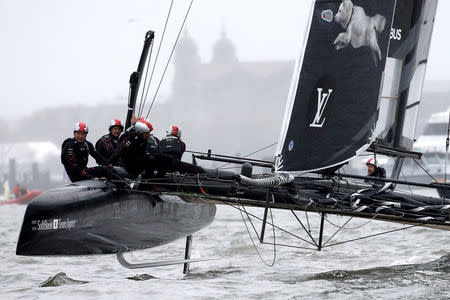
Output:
(322, 100)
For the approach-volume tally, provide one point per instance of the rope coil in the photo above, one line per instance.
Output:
(269, 182)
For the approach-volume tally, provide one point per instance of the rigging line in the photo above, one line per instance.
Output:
(401, 172)
(291, 246)
(238, 208)
(180, 185)
(277, 227)
(264, 148)
(306, 196)
(273, 232)
(352, 228)
(315, 208)
(304, 228)
(251, 222)
(313, 243)
(145, 79)
(229, 168)
(256, 232)
(369, 236)
(332, 236)
(415, 160)
(328, 221)
(170, 57)
(307, 221)
(157, 55)
(253, 242)
(447, 143)
(311, 195)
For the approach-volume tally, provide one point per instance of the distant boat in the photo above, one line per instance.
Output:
(23, 199)
(432, 144)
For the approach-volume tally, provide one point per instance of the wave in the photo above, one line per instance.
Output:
(441, 265)
(141, 277)
(212, 274)
(59, 280)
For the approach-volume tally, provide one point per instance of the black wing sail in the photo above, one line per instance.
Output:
(332, 106)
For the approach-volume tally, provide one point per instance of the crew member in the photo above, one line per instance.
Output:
(16, 189)
(108, 144)
(23, 190)
(153, 141)
(373, 170)
(153, 145)
(133, 152)
(138, 155)
(171, 150)
(75, 155)
(172, 143)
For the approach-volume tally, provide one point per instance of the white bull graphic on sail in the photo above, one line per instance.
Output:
(361, 30)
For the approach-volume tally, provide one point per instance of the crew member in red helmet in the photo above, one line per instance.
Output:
(75, 155)
(374, 170)
(137, 155)
(172, 143)
(108, 144)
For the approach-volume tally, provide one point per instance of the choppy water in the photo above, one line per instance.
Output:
(410, 264)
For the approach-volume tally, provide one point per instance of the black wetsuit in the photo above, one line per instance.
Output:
(137, 155)
(75, 156)
(153, 145)
(379, 173)
(163, 163)
(172, 149)
(172, 145)
(106, 146)
(133, 153)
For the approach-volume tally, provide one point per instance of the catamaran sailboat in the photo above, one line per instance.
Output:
(356, 87)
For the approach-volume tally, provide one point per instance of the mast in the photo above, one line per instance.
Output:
(403, 99)
(408, 57)
(135, 77)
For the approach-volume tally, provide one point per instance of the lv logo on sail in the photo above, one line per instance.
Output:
(322, 100)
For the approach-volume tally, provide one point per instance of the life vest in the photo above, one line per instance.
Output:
(106, 146)
(79, 150)
(172, 145)
(153, 145)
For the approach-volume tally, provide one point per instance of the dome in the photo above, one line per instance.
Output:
(224, 51)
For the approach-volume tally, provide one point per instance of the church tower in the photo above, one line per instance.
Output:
(187, 63)
(224, 51)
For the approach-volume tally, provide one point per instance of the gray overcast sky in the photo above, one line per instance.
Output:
(56, 52)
